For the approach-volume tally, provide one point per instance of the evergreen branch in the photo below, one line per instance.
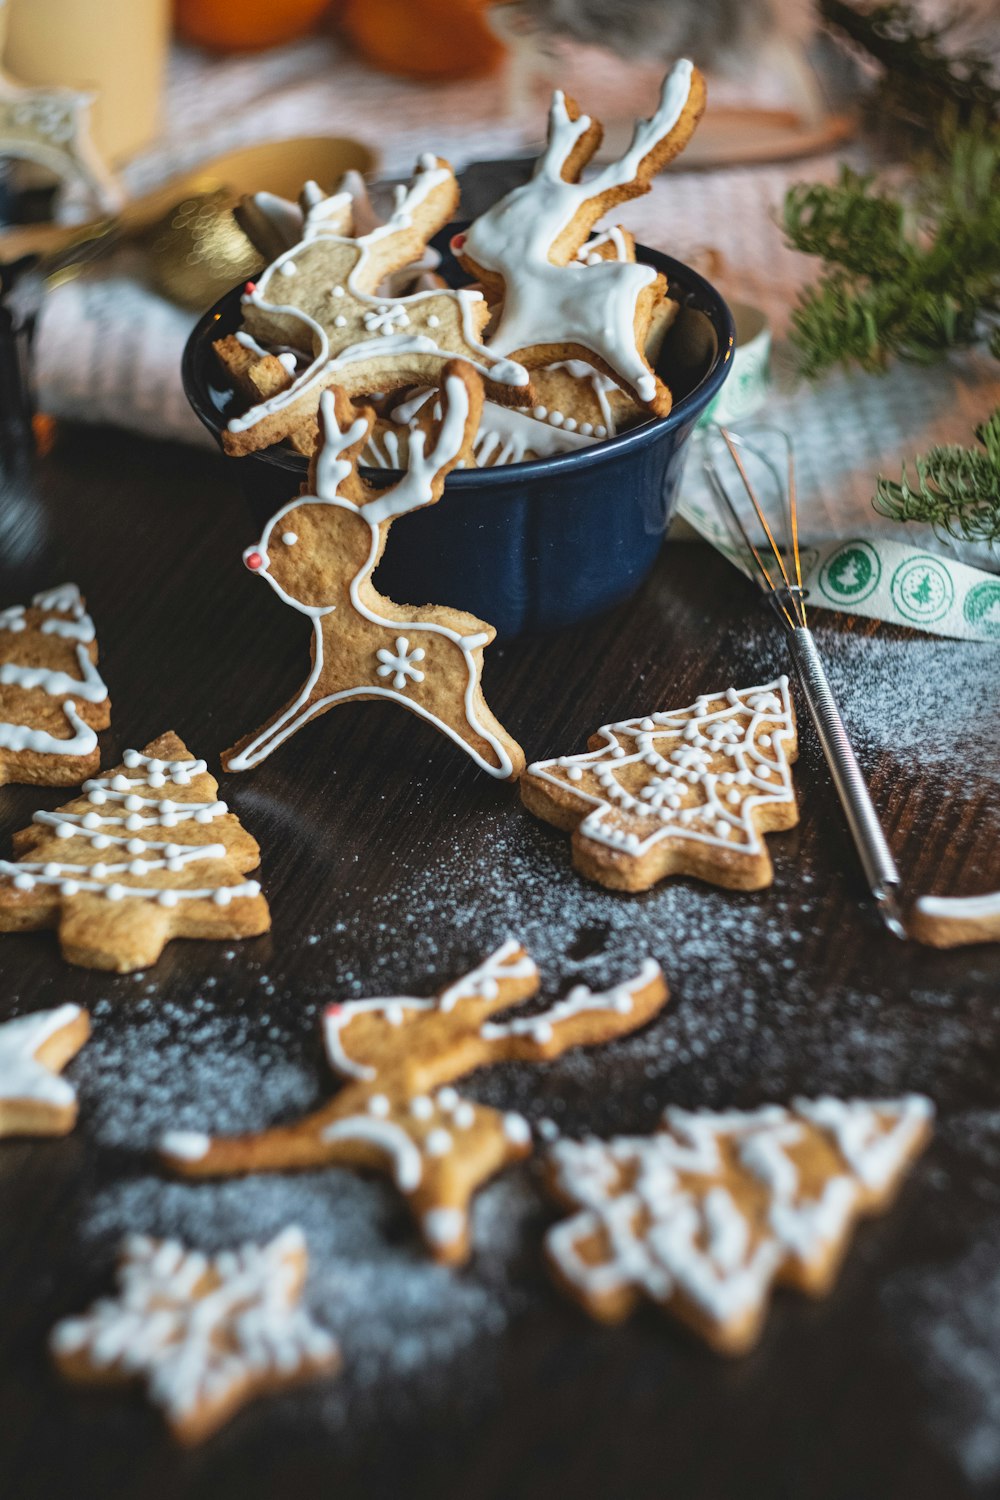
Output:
(956, 490)
(926, 72)
(908, 274)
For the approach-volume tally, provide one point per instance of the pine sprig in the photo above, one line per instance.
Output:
(908, 273)
(956, 490)
(926, 70)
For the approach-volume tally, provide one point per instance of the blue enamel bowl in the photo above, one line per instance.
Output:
(532, 546)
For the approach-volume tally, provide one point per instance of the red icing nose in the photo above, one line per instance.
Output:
(250, 288)
(253, 561)
(457, 241)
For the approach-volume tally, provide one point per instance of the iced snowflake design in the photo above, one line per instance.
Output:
(204, 1332)
(400, 664)
(387, 320)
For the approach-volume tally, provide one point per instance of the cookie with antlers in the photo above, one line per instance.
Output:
(319, 553)
(398, 1110)
(321, 298)
(688, 791)
(557, 296)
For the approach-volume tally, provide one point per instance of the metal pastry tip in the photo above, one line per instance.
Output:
(888, 907)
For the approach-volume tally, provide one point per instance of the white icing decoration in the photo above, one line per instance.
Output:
(481, 983)
(148, 856)
(875, 1156)
(961, 908)
(613, 235)
(185, 1145)
(516, 1129)
(413, 491)
(89, 686)
(677, 748)
(590, 305)
(194, 1345)
(504, 436)
(580, 999)
(666, 1234)
(399, 664)
(22, 1076)
(443, 1226)
(392, 1139)
(317, 224)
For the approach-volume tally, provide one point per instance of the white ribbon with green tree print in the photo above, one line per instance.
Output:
(882, 579)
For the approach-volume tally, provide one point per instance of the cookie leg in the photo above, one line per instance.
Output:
(464, 716)
(254, 748)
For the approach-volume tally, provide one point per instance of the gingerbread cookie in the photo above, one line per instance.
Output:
(321, 297)
(953, 921)
(398, 1111)
(319, 552)
(681, 792)
(207, 1333)
(52, 697)
(558, 296)
(576, 406)
(34, 1099)
(146, 853)
(706, 1216)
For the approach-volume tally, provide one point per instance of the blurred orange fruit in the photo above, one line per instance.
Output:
(432, 39)
(245, 25)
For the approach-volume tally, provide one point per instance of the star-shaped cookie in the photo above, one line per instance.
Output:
(207, 1333)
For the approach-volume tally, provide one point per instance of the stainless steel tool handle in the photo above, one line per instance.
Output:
(866, 830)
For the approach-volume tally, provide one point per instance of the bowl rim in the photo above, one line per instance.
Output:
(693, 286)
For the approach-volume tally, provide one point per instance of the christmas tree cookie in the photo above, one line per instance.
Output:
(207, 1333)
(52, 697)
(686, 791)
(706, 1216)
(398, 1111)
(34, 1099)
(146, 853)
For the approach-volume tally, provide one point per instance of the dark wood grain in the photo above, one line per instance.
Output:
(842, 1401)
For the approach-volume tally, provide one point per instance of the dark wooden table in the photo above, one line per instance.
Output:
(390, 864)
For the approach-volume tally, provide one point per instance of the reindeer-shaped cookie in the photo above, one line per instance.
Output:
(559, 298)
(398, 1111)
(319, 553)
(320, 297)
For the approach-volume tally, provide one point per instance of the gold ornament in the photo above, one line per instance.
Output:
(197, 251)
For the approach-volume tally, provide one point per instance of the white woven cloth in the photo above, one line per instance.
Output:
(109, 348)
